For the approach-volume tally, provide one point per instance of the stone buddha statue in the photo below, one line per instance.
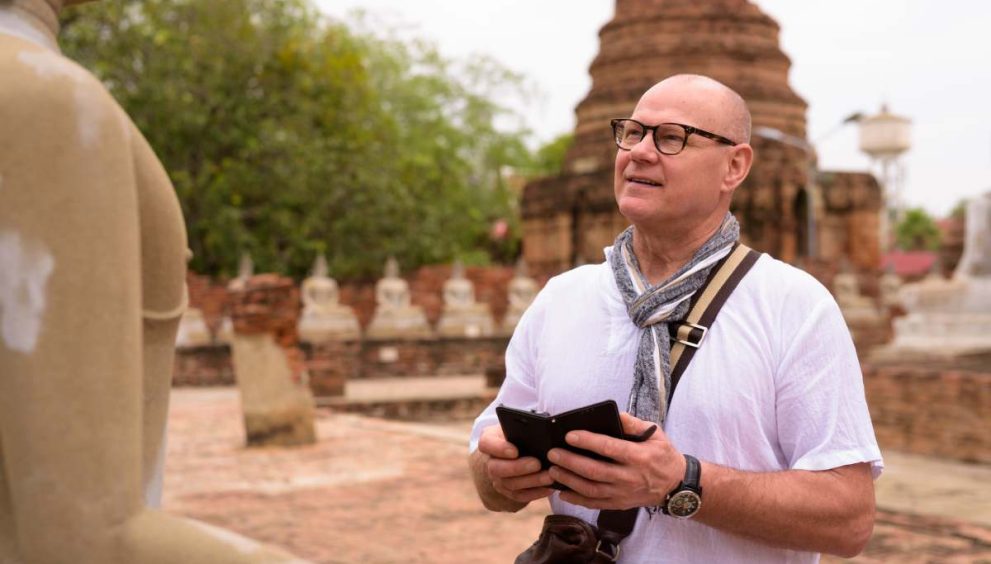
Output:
(462, 315)
(949, 319)
(521, 292)
(324, 318)
(392, 292)
(459, 292)
(92, 287)
(395, 316)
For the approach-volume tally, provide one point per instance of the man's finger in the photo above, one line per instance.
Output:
(494, 443)
(612, 448)
(499, 469)
(588, 468)
(526, 496)
(635, 426)
(586, 488)
(529, 481)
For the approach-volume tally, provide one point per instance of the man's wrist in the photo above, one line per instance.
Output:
(491, 498)
(685, 499)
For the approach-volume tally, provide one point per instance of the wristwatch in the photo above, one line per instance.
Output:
(685, 499)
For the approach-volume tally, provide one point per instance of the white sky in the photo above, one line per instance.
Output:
(928, 59)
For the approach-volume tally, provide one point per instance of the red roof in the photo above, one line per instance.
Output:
(909, 263)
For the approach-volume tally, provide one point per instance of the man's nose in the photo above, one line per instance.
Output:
(645, 150)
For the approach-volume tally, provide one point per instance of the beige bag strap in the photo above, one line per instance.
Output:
(687, 336)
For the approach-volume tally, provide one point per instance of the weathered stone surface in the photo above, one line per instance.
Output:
(852, 204)
(270, 368)
(203, 366)
(432, 357)
(331, 364)
(932, 409)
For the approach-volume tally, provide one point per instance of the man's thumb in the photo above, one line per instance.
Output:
(634, 426)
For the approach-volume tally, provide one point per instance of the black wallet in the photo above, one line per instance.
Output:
(534, 433)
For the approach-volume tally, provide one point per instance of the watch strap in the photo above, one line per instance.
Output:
(693, 474)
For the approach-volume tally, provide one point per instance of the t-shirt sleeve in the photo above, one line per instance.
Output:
(822, 416)
(519, 388)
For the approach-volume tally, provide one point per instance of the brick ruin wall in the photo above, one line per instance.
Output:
(931, 411)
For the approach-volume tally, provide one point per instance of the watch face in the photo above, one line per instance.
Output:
(684, 503)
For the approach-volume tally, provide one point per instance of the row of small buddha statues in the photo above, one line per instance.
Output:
(324, 318)
(941, 317)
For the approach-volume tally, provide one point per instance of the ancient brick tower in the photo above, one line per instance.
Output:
(568, 219)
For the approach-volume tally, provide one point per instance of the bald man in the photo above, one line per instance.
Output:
(769, 418)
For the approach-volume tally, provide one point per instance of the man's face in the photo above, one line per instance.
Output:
(683, 188)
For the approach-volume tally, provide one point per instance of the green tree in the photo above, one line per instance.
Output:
(288, 135)
(917, 231)
(549, 158)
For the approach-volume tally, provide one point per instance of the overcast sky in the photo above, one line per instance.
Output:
(927, 59)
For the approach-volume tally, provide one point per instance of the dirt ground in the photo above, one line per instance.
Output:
(377, 491)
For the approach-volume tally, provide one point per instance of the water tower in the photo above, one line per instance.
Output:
(885, 137)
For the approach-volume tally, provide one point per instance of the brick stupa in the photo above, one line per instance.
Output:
(568, 219)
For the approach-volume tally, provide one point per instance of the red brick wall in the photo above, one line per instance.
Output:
(931, 411)
(203, 366)
(210, 296)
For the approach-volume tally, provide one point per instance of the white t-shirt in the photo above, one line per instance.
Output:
(776, 385)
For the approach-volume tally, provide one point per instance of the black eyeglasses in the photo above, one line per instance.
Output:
(669, 138)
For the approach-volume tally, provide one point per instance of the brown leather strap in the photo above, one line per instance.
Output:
(616, 525)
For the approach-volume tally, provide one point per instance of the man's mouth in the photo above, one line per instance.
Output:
(643, 180)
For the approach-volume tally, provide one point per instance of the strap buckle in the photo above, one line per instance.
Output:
(687, 340)
(613, 555)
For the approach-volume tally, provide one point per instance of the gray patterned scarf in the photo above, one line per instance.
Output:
(651, 308)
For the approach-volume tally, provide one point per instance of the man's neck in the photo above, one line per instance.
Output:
(661, 252)
(33, 20)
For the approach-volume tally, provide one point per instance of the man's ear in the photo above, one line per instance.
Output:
(741, 159)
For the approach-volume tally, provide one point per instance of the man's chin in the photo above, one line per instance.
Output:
(640, 211)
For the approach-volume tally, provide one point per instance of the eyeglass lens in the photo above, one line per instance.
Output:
(668, 138)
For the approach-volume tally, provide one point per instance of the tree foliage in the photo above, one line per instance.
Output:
(549, 158)
(917, 231)
(288, 135)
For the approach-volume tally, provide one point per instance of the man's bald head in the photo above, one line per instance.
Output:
(730, 106)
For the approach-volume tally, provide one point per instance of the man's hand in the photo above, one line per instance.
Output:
(819, 511)
(642, 475)
(497, 465)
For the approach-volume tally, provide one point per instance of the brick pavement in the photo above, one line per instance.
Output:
(380, 491)
(370, 491)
